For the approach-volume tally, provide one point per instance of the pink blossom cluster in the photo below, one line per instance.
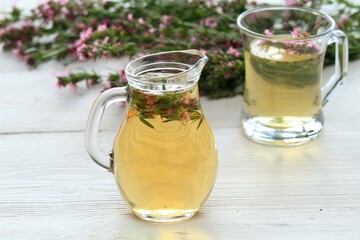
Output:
(165, 20)
(23, 31)
(209, 22)
(81, 45)
(233, 52)
(122, 76)
(295, 46)
(343, 18)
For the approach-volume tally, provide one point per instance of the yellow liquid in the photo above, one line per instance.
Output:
(165, 172)
(281, 90)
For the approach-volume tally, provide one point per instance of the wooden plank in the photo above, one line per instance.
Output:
(30, 103)
(50, 189)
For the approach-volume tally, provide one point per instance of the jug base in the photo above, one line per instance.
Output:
(290, 135)
(164, 216)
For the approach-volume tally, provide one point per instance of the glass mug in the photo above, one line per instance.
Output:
(164, 156)
(284, 50)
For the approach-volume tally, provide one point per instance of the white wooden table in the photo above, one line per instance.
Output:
(50, 189)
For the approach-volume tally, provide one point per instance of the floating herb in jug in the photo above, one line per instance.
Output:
(169, 106)
(294, 63)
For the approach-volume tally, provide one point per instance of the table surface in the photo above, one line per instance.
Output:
(50, 189)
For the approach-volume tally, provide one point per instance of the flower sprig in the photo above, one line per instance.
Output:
(79, 30)
(293, 47)
(169, 106)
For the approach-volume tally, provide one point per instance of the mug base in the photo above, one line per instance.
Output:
(164, 216)
(292, 135)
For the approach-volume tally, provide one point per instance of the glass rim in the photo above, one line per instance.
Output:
(309, 10)
(134, 77)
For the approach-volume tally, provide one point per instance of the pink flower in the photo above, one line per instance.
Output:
(46, 7)
(26, 23)
(80, 53)
(106, 40)
(261, 42)
(291, 51)
(299, 43)
(16, 52)
(290, 3)
(62, 2)
(210, 22)
(343, 18)
(141, 21)
(289, 44)
(101, 27)
(295, 33)
(219, 10)
(96, 43)
(162, 25)
(152, 30)
(86, 34)
(268, 33)
(19, 43)
(130, 17)
(193, 39)
(122, 76)
(37, 13)
(90, 83)
(105, 54)
(80, 25)
(203, 51)
(232, 51)
(165, 19)
(48, 12)
(312, 44)
(64, 11)
(229, 64)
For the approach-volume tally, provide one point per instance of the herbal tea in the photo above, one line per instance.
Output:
(284, 55)
(282, 88)
(165, 160)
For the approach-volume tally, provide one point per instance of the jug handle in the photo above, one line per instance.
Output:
(108, 97)
(341, 65)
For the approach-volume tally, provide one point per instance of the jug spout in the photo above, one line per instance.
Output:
(182, 68)
(202, 59)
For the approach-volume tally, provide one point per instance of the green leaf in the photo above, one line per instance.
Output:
(169, 120)
(146, 122)
(201, 120)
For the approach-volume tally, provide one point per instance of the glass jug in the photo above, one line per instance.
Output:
(164, 156)
(284, 55)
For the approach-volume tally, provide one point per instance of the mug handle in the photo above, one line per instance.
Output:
(108, 97)
(341, 64)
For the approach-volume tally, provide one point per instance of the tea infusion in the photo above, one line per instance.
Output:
(164, 162)
(282, 87)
